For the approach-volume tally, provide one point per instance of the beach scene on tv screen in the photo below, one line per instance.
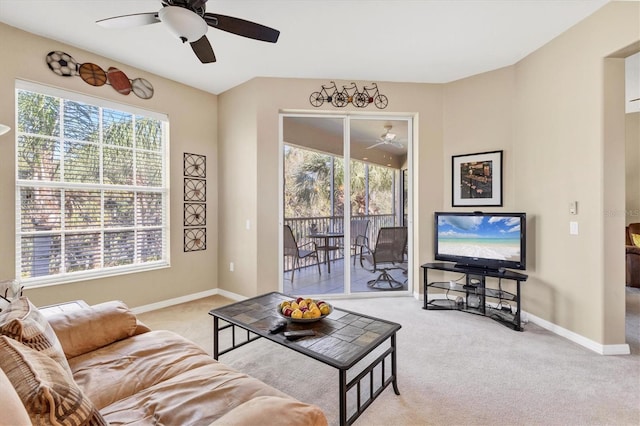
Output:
(490, 237)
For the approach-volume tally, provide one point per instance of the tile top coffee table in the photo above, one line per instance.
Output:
(341, 340)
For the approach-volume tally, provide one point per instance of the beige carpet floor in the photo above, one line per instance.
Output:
(453, 368)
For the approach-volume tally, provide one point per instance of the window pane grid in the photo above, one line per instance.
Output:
(92, 200)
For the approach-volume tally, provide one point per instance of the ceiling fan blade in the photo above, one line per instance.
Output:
(203, 50)
(128, 21)
(241, 27)
(374, 145)
(196, 4)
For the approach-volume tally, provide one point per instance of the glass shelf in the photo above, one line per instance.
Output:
(488, 292)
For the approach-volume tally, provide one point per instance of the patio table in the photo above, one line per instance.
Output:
(326, 245)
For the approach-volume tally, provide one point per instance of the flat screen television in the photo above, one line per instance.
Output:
(481, 240)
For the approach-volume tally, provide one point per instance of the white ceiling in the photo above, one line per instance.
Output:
(367, 40)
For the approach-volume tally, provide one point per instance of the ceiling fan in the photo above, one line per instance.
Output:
(387, 138)
(188, 20)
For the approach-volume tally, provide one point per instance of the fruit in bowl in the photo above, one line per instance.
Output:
(304, 309)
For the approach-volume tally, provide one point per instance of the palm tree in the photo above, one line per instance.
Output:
(308, 185)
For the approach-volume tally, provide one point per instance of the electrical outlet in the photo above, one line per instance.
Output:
(231, 267)
(573, 228)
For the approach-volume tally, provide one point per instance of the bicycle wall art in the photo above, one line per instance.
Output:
(349, 94)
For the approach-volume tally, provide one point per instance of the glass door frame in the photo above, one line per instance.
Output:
(346, 120)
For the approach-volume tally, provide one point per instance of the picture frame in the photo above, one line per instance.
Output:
(476, 179)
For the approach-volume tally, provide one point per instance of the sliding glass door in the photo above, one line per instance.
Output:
(313, 205)
(344, 190)
(378, 158)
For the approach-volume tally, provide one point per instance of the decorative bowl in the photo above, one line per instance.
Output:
(279, 311)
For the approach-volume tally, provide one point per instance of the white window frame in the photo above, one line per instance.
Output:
(101, 272)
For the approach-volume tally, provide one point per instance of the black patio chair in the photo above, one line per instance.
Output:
(388, 254)
(291, 249)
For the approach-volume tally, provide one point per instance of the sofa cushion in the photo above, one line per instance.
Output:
(84, 330)
(134, 364)
(13, 412)
(273, 409)
(23, 322)
(49, 395)
(162, 378)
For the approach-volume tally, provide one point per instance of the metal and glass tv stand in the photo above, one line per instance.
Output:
(469, 293)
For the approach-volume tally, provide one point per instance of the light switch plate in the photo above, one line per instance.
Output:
(573, 207)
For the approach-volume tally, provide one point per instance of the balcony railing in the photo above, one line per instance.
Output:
(302, 227)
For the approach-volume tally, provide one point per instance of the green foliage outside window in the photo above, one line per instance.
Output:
(307, 185)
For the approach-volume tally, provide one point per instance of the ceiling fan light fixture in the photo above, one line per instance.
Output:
(183, 23)
(387, 135)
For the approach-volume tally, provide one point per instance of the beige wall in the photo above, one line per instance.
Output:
(567, 151)
(547, 113)
(193, 122)
(238, 176)
(265, 98)
(477, 113)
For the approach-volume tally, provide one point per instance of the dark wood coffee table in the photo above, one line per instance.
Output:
(342, 340)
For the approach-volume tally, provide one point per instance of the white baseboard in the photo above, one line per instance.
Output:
(621, 349)
(187, 298)
(174, 301)
(232, 296)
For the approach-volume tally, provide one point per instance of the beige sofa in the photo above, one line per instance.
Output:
(120, 372)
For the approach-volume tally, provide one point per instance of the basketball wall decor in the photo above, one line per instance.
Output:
(92, 74)
(64, 65)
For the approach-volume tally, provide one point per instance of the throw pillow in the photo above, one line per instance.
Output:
(636, 239)
(49, 396)
(13, 412)
(85, 330)
(23, 322)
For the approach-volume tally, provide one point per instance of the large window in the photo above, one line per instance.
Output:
(91, 187)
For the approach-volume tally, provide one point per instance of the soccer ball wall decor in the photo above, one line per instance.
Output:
(62, 64)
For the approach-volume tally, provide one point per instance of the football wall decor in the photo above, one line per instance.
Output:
(64, 65)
